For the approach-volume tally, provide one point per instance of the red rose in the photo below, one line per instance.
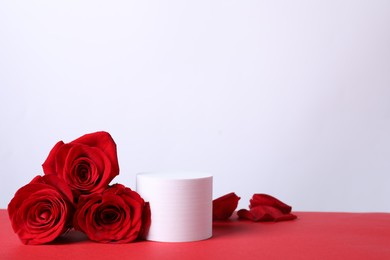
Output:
(117, 215)
(264, 207)
(41, 210)
(88, 164)
(223, 207)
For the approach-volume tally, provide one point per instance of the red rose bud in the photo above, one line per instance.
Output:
(223, 207)
(118, 215)
(42, 210)
(88, 164)
(264, 207)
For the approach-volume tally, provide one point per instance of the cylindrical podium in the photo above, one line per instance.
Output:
(180, 203)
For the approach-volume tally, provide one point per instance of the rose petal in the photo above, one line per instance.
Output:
(58, 183)
(264, 207)
(49, 166)
(260, 213)
(245, 214)
(286, 217)
(146, 221)
(267, 200)
(223, 207)
(265, 213)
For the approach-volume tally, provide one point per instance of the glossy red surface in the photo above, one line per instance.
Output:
(314, 235)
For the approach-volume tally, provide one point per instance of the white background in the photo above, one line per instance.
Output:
(289, 98)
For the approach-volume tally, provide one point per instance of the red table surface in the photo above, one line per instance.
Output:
(314, 235)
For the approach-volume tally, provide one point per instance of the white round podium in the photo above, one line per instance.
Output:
(180, 203)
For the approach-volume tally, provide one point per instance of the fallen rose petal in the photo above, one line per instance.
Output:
(245, 214)
(264, 213)
(260, 213)
(285, 217)
(264, 207)
(223, 207)
(268, 200)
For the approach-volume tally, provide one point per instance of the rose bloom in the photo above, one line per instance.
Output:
(117, 215)
(223, 207)
(41, 210)
(88, 164)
